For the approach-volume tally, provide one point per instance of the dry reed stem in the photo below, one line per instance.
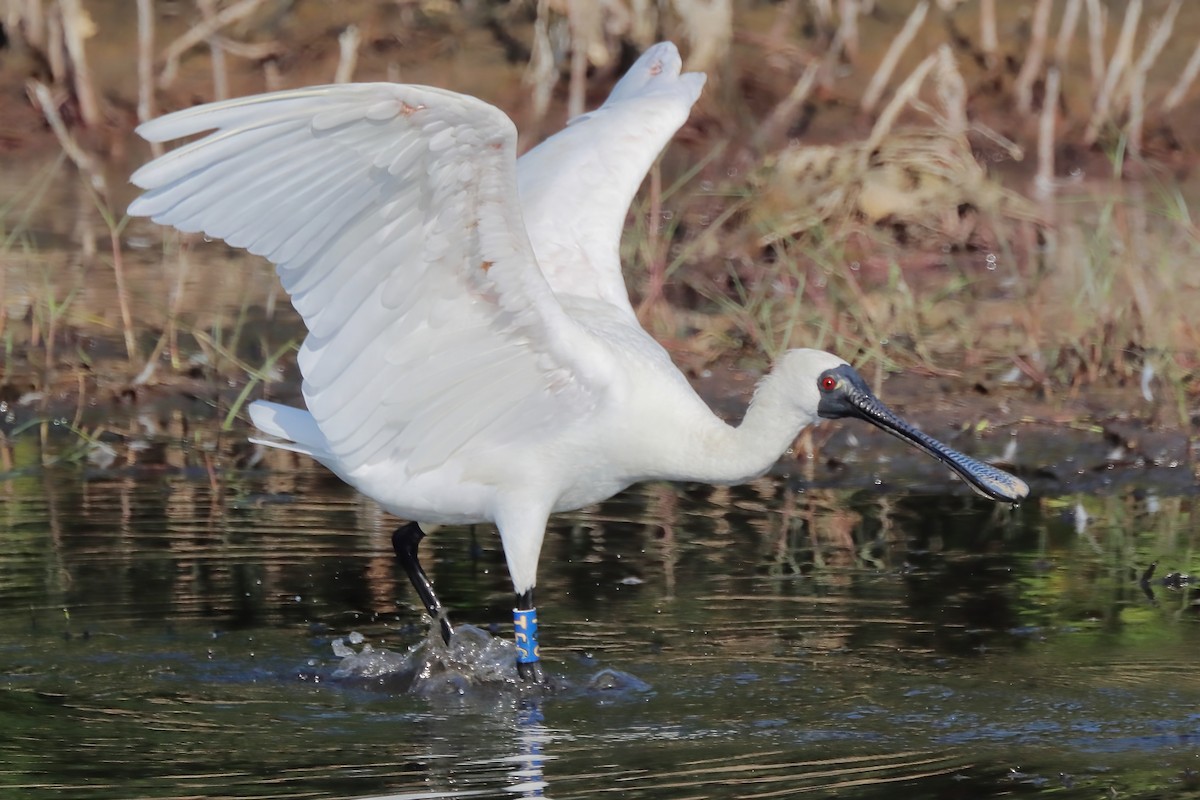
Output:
(1137, 114)
(56, 49)
(253, 51)
(348, 43)
(708, 26)
(3, 293)
(848, 28)
(585, 22)
(781, 116)
(903, 94)
(1032, 67)
(1043, 181)
(1136, 85)
(657, 264)
(77, 27)
(145, 66)
(540, 74)
(1162, 31)
(1117, 66)
(131, 349)
(85, 232)
(577, 82)
(200, 34)
(1066, 32)
(33, 21)
(1186, 79)
(892, 57)
(1097, 25)
(952, 93)
(989, 39)
(87, 167)
(82, 160)
(272, 77)
(208, 9)
(1014, 150)
(1150, 318)
(169, 340)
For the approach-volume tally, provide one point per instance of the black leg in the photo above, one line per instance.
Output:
(529, 665)
(404, 541)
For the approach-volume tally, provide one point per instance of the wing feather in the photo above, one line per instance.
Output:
(577, 185)
(392, 215)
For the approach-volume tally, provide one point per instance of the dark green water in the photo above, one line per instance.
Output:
(158, 639)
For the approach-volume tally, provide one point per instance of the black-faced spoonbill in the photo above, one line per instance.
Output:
(472, 354)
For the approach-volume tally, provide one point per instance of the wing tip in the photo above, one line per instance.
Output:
(657, 70)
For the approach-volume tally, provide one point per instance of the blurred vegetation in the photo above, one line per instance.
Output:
(994, 194)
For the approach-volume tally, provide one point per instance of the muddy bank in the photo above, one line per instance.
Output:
(1070, 446)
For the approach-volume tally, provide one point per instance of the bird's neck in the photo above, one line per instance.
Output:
(771, 424)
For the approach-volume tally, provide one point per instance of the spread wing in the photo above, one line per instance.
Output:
(392, 215)
(577, 185)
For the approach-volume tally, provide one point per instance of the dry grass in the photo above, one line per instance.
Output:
(790, 213)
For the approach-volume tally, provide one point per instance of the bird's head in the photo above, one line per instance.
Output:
(828, 387)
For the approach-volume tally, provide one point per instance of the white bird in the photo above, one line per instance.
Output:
(472, 355)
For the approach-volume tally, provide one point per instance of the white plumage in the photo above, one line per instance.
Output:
(472, 354)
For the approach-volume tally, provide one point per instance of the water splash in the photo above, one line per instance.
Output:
(473, 658)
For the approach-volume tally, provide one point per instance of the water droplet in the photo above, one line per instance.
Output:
(706, 186)
(855, 266)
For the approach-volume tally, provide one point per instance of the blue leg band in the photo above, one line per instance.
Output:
(525, 629)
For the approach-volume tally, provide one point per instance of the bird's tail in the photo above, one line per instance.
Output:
(293, 428)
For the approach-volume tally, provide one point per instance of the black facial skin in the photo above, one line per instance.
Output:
(845, 394)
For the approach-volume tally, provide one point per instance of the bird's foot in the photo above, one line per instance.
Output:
(531, 672)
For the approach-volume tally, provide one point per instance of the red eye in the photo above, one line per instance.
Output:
(828, 383)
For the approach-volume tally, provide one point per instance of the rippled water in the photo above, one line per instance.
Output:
(168, 634)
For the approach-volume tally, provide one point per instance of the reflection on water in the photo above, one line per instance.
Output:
(170, 634)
